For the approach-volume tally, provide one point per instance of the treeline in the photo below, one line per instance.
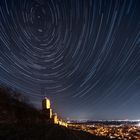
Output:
(15, 108)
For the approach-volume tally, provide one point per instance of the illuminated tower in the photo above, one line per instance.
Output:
(46, 103)
(55, 119)
(46, 107)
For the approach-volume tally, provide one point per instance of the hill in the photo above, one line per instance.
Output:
(21, 121)
(15, 108)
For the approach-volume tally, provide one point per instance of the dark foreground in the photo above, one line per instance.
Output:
(21, 121)
(42, 132)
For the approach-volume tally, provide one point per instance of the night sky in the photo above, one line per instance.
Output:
(82, 54)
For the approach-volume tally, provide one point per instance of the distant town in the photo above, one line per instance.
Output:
(122, 130)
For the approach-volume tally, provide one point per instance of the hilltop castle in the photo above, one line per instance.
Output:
(49, 115)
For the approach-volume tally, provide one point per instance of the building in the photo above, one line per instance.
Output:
(46, 103)
(46, 108)
(62, 123)
(55, 118)
(48, 115)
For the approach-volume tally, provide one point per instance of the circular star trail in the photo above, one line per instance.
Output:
(83, 54)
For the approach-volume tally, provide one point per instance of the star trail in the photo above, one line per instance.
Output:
(83, 54)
